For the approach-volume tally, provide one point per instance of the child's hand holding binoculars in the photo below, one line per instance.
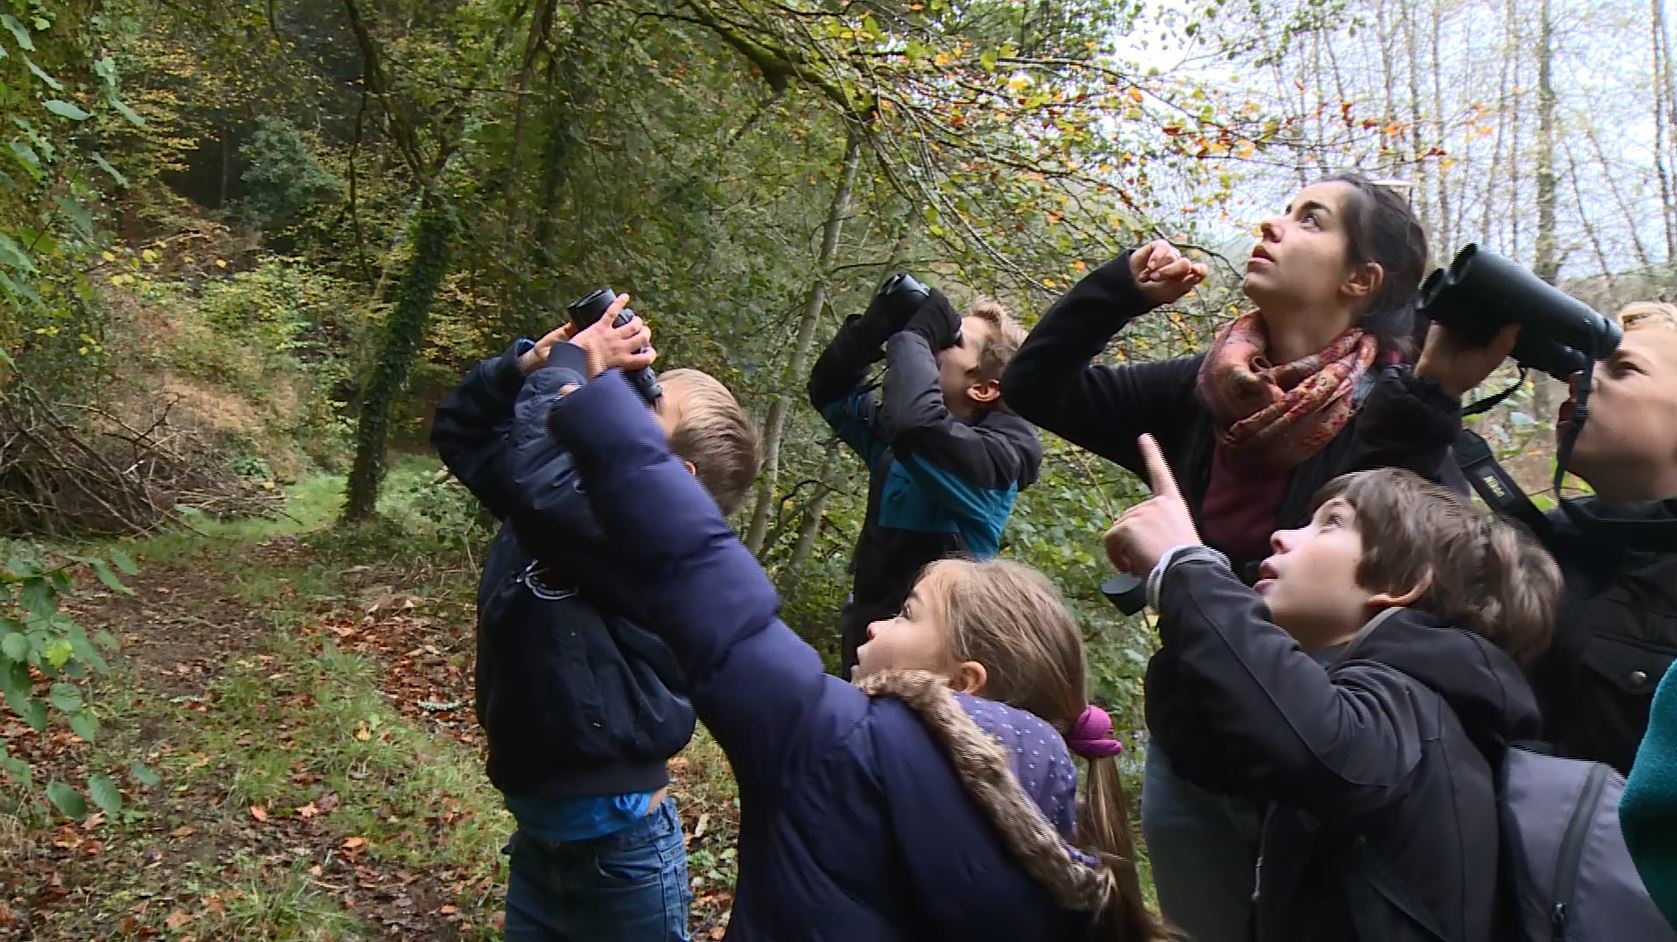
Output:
(626, 347)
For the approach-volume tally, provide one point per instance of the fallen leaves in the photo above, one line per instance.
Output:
(259, 813)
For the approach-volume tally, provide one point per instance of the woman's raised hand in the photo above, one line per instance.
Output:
(1163, 273)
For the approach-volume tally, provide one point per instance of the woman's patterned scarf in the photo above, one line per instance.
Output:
(1273, 417)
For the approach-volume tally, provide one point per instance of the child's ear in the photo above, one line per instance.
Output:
(1404, 599)
(969, 677)
(986, 392)
(691, 468)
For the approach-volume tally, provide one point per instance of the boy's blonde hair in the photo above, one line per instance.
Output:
(716, 436)
(1486, 575)
(1005, 337)
(1010, 618)
(1638, 315)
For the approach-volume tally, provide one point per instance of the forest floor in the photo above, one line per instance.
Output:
(305, 699)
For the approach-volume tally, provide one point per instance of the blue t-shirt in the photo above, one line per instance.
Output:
(581, 818)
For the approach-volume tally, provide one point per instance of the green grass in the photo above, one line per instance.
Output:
(293, 723)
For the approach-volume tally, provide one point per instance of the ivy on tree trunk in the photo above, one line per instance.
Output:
(433, 234)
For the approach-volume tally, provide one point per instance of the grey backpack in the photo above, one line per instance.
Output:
(1567, 874)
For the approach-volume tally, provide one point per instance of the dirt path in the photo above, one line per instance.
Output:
(320, 765)
(185, 631)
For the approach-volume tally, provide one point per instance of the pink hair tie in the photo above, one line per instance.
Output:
(1091, 736)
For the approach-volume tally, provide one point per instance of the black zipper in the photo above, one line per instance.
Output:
(1572, 848)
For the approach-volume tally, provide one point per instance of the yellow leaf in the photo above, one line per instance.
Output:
(108, 256)
(221, 263)
(148, 255)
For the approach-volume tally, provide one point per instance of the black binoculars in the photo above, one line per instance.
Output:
(586, 310)
(900, 296)
(904, 294)
(1481, 292)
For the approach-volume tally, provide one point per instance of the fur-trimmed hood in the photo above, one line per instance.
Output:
(1017, 769)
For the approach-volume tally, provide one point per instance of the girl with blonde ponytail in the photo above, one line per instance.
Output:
(1009, 630)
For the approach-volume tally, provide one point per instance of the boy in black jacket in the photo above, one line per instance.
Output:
(1361, 689)
(582, 707)
(946, 457)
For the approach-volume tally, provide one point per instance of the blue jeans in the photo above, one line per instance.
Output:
(630, 886)
(1203, 848)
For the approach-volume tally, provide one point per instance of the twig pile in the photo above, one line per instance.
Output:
(70, 468)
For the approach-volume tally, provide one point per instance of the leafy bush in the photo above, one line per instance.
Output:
(285, 180)
(41, 645)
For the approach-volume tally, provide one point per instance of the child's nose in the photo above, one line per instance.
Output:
(1280, 539)
(873, 629)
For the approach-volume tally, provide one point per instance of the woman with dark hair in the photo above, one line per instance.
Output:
(1309, 385)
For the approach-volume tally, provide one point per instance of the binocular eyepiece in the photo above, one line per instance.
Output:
(1481, 292)
(586, 310)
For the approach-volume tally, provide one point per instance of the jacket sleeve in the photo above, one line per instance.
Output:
(469, 430)
(546, 505)
(757, 686)
(1648, 809)
(969, 470)
(837, 390)
(1246, 710)
(1052, 382)
(1407, 422)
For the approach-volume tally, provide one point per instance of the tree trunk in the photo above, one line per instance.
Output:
(1446, 233)
(1663, 131)
(1492, 180)
(541, 21)
(1423, 193)
(1388, 80)
(829, 459)
(775, 426)
(226, 167)
(433, 233)
(812, 519)
(1516, 159)
(1589, 227)
(1546, 259)
(1633, 220)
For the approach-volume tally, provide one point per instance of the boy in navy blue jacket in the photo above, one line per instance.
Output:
(581, 706)
(946, 457)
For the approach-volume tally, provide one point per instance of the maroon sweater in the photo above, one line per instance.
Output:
(1240, 507)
